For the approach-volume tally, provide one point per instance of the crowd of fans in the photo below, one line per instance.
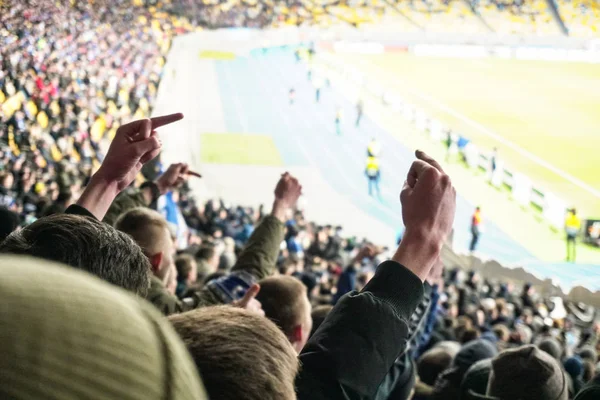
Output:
(69, 77)
(105, 296)
(520, 17)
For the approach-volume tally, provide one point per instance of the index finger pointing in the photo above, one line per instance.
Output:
(165, 120)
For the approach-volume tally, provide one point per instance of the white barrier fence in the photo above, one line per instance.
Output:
(523, 190)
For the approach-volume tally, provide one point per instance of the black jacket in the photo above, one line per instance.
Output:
(354, 349)
(400, 379)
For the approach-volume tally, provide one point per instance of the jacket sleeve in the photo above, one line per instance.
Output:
(400, 378)
(430, 319)
(260, 254)
(258, 259)
(355, 347)
(399, 381)
(127, 200)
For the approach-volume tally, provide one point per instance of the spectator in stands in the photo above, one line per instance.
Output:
(208, 260)
(429, 366)
(527, 371)
(150, 230)
(187, 273)
(552, 347)
(448, 384)
(574, 368)
(240, 355)
(228, 257)
(475, 383)
(86, 244)
(379, 314)
(66, 334)
(285, 302)
(9, 222)
(591, 391)
(148, 193)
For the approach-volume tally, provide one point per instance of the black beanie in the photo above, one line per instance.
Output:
(552, 347)
(591, 391)
(472, 352)
(476, 379)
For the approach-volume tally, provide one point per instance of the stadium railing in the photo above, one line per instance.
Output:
(521, 188)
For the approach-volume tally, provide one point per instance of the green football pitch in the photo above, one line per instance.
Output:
(544, 117)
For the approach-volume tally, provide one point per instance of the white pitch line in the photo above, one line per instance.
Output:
(490, 133)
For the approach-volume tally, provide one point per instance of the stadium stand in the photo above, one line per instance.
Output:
(531, 17)
(581, 17)
(402, 325)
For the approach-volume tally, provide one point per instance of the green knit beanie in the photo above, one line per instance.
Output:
(65, 334)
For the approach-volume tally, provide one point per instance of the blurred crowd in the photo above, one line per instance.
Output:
(70, 76)
(116, 285)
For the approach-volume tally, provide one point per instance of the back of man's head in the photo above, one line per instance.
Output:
(207, 256)
(240, 355)
(9, 222)
(527, 373)
(552, 347)
(186, 268)
(87, 244)
(151, 232)
(284, 301)
(68, 335)
(432, 363)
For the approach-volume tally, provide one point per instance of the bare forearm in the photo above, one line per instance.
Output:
(417, 253)
(98, 196)
(279, 210)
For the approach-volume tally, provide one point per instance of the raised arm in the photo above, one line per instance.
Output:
(260, 254)
(355, 347)
(171, 179)
(134, 144)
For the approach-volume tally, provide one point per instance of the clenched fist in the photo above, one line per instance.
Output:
(287, 192)
(428, 199)
(428, 206)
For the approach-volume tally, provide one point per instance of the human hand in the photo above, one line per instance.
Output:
(368, 251)
(173, 177)
(249, 301)
(134, 144)
(287, 192)
(428, 200)
(428, 206)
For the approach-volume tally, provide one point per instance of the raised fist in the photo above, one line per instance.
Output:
(287, 191)
(428, 201)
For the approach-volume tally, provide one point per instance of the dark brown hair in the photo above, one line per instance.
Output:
(87, 244)
(240, 355)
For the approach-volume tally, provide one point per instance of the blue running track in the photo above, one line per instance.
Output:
(254, 93)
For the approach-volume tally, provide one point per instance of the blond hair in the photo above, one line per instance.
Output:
(147, 227)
